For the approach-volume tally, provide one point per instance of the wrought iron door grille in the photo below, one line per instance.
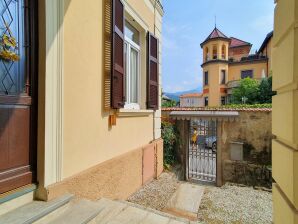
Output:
(202, 150)
(12, 74)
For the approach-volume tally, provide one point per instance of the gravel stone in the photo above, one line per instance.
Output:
(236, 204)
(156, 194)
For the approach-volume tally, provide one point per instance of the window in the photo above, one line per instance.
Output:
(206, 101)
(223, 100)
(247, 74)
(223, 52)
(132, 66)
(207, 54)
(223, 77)
(124, 83)
(206, 78)
(214, 52)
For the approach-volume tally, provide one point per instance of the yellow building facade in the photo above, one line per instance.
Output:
(285, 112)
(226, 61)
(98, 126)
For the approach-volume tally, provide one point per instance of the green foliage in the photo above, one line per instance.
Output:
(265, 91)
(171, 103)
(252, 91)
(246, 92)
(168, 134)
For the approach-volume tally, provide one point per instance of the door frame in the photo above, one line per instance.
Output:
(33, 71)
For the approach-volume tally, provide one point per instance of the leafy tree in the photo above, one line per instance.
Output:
(170, 139)
(265, 91)
(247, 92)
(171, 103)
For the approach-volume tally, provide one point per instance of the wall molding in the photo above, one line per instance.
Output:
(54, 92)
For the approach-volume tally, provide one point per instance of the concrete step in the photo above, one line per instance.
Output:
(186, 201)
(34, 211)
(81, 212)
(120, 212)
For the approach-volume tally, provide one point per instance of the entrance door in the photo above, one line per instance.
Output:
(202, 151)
(17, 94)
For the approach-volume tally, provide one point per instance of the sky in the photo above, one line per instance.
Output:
(187, 23)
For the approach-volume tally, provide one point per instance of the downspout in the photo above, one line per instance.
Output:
(267, 61)
(154, 113)
(155, 15)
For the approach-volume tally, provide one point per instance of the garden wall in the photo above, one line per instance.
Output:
(252, 129)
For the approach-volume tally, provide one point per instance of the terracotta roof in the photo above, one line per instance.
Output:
(216, 33)
(235, 42)
(191, 95)
(216, 109)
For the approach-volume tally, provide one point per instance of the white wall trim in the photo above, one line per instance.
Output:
(54, 92)
(131, 12)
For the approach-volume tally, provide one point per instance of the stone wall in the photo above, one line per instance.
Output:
(253, 129)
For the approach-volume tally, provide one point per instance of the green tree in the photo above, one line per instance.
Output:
(169, 137)
(265, 91)
(171, 103)
(247, 92)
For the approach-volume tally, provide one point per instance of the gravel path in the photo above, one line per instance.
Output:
(235, 204)
(156, 194)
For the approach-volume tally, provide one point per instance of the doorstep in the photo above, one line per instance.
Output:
(8, 196)
(16, 198)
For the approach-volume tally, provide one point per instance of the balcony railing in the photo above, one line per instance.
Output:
(233, 84)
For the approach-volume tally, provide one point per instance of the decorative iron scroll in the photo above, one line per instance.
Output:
(12, 47)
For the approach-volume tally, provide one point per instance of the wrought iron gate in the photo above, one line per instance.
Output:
(202, 150)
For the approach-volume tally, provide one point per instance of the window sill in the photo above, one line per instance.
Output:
(134, 113)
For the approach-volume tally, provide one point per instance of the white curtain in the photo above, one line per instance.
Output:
(133, 76)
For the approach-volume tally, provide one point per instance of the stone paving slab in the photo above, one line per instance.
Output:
(116, 212)
(186, 201)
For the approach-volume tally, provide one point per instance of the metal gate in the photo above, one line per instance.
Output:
(202, 150)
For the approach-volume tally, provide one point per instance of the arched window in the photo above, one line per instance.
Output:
(207, 54)
(223, 52)
(214, 52)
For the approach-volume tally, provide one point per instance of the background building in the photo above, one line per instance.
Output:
(192, 100)
(226, 60)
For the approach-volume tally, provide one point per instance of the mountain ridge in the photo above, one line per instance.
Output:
(175, 96)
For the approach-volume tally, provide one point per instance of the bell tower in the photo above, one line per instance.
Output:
(215, 67)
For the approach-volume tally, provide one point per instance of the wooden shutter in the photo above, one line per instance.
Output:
(152, 72)
(118, 74)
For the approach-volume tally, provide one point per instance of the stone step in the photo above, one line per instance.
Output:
(120, 212)
(34, 211)
(81, 212)
(185, 202)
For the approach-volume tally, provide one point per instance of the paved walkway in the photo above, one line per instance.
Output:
(115, 212)
(186, 201)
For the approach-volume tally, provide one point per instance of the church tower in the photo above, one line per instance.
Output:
(215, 68)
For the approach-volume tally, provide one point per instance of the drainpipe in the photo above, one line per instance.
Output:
(154, 113)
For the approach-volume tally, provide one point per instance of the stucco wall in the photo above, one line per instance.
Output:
(235, 70)
(285, 112)
(191, 102)
(88, 138)
(214, 86)
(116, 178)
